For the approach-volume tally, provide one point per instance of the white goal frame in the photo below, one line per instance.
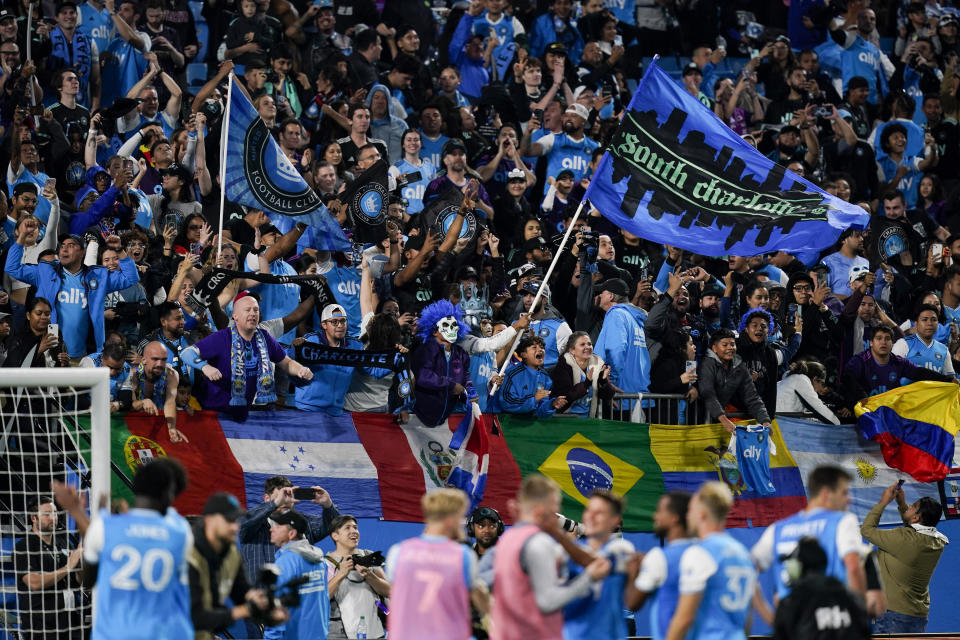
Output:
(98, 381)
(91, 382)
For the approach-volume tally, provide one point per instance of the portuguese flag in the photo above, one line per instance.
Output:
(581, 455)
(136, 438)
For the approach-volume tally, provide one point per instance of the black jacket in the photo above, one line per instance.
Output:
(820, 608)
(721, 385)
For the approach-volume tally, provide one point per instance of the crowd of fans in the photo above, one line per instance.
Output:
(113, 215)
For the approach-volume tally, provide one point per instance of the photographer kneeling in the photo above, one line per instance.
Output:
(355, 587)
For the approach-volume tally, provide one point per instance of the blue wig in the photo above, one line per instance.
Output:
(436, 312)
(759, 311)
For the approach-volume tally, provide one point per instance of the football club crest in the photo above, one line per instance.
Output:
(445, 219)
(274, 182)
(369, 204)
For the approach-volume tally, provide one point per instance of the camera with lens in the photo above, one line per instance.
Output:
(287, 595)
(374, 559)
(589, 246)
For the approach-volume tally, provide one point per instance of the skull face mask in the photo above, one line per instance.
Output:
(448, 329)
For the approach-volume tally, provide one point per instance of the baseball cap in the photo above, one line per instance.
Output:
(533, 287)
(24, 187)
(691, 67)
(324, 4)
(535, 243)
(712, 289)
(529, 270)
(414, 242)
(5, 317)
(556, 48)
(177, 169)
(225, 504)
(615, 286)
(578, 92)
(7, 15)
(291, 519)
(332, 311)
(843, 113)
(565, 173)
(516, 174)
(857, 82)
(72, 236)
(467, 272)
(268, 228)
(947, 18)
(578, 109)
(452, 145)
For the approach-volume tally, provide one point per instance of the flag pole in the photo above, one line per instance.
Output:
(224, 143)
(536, 298)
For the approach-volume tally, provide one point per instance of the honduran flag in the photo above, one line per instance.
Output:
(371, 466)
(916, 427)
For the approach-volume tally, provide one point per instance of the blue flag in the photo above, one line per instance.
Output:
(259, 175)
(674, 173)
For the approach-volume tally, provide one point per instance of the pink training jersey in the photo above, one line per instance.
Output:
(429, 594)
(516, 615)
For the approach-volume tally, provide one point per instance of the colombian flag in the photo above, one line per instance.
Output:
(916, 427)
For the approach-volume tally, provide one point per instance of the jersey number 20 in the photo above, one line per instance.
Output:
(145, 567)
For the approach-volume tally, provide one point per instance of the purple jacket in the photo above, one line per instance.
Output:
(435, 379)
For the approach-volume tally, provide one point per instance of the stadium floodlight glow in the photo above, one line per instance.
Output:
(54, 425)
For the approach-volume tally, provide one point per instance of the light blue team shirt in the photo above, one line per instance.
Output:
(96, 25)
(599, 614)
(143, 590)
(720, 568)
(934, 356)
(839, 276)
(414, 191)
(563, 152)
(432, 150)
(73, 314)
(838, 532)
(660, 573)
(345, 285)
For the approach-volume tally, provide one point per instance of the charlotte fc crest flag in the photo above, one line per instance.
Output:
(675, 173)
(439, 214)
(259, 175)
(368, 200)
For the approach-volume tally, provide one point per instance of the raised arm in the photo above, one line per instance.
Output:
(124, 30)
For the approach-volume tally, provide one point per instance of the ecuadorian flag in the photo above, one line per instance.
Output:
(916, 427)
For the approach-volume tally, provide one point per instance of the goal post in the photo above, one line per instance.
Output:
(54, 425)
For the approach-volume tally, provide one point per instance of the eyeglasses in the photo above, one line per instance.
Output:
(337, 321)
(803, 287)
(136, 245)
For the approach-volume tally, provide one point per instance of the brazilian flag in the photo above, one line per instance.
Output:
(583, 455)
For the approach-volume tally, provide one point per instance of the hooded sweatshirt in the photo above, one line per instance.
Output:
(390, 128)
(622, 344)
(311, 618)
(722, 384)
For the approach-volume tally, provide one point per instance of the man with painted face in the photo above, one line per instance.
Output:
(440, 366)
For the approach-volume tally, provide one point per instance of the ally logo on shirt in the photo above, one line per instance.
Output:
(75, 296)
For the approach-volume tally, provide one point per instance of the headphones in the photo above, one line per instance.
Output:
(482, 513)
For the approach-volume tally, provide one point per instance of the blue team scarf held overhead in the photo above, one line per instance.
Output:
(238, 382)
(159, 387)
(75, 53)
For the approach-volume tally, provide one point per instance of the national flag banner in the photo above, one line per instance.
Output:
(813, 443)
(688, 456)
(259, 175)
(413, 458)
(916, 427)
(949, 489)
(674, 173)
(470, 443)
(581, 455)
(226, 455)
(368, 199)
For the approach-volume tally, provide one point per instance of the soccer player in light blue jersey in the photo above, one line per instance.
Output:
(717, 577)
(139, 562)
(825, 518)
(599, 614)
(660, 570)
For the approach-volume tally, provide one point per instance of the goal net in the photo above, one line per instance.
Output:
(54, 425)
